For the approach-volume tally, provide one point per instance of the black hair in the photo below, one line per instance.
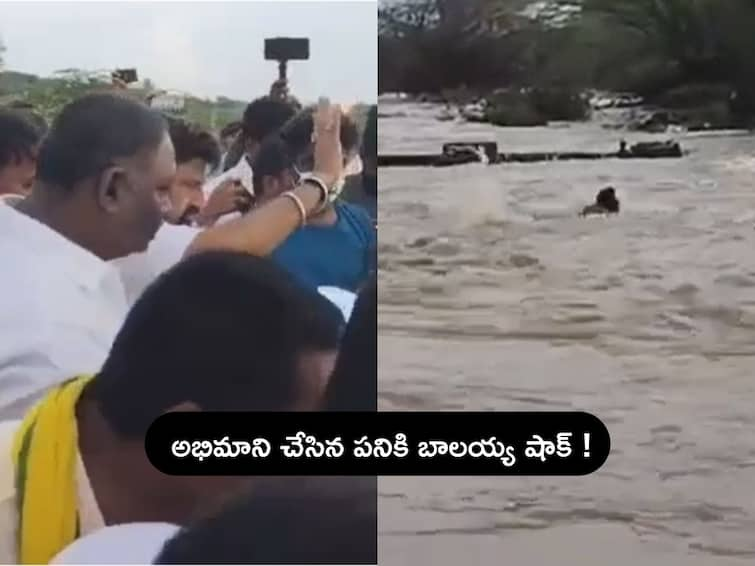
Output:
(223, 330)
(297, 132)
(606, 198)
(286, 521)
(265, 116)
(353, 385)
(369, 136)
(91, 132)
(26, 110)
(190, 142)
(19, 137)
(272, 159)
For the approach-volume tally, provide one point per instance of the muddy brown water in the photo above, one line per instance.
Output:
(494, 295)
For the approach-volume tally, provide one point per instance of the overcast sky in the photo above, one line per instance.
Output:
(205, 48)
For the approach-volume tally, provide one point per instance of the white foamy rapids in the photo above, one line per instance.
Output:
(478, 198)
(742, 163)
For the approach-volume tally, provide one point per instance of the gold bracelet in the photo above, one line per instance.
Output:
(299, 204)
(324, 192)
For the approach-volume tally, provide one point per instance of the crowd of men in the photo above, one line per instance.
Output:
(152, 266)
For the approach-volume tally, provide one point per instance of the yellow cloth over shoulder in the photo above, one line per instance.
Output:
(45, 450)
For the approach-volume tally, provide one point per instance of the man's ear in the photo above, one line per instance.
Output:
(108, 188)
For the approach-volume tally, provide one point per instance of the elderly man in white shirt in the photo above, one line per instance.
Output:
(102, 178)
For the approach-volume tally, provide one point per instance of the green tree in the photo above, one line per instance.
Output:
(435, 45)
(680, 41)
(689, 50)
(48, 97)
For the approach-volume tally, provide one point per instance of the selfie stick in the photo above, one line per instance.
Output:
(285, 49)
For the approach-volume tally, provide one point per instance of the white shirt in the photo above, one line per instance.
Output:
(167, 248)
(241, 171)
(341, 298)
(90, 516)
(129, 543)
(61, 308)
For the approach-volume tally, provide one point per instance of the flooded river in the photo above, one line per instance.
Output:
(494, 295)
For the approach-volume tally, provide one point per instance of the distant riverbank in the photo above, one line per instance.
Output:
(692, 109)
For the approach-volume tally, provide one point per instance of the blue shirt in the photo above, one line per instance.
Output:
(341, 255)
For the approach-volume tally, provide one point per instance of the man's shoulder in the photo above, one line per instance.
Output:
(170, 243)
(26, 283)
(166, 249)
(358, 218)
(174, 233)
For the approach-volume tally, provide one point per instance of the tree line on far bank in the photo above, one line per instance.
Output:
(46, 96)
(692, 57)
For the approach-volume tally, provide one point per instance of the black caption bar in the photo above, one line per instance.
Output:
(380, 443)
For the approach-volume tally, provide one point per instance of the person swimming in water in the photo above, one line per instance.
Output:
(605, 203)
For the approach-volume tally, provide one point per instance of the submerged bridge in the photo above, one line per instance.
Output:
(462, 153)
